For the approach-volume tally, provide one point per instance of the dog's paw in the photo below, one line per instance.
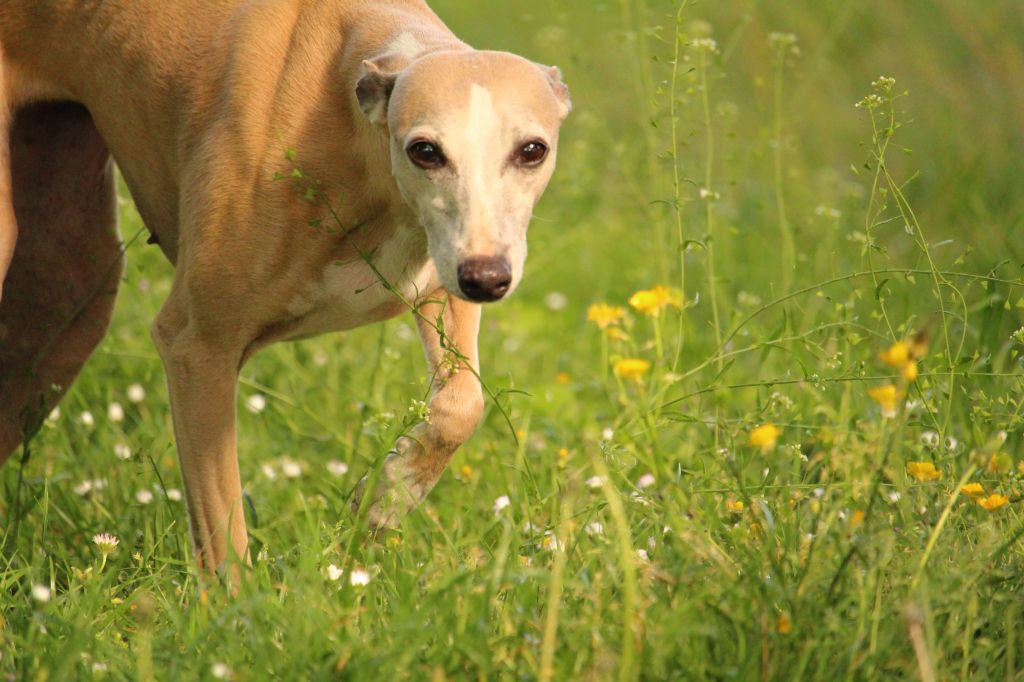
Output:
(398, 489)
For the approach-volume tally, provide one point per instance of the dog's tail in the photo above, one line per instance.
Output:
(60, 256)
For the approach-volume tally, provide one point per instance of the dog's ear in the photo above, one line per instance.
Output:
(560, 89)
(373, 91)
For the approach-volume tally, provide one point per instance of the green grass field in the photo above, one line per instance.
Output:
(652, 530)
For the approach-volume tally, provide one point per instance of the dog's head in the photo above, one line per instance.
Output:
(473, 139)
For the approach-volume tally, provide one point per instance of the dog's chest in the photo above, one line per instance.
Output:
(361, 289)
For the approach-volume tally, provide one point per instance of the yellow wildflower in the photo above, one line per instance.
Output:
(783, 625)
(973, 490)
(887, 397)
(466, 471)
(903, 356)
(562, 378)
(923, 471)
(897, 355)
(605, 315)
(764, 437)
(909, 371)
(651, 301)
(616, 334)
(856, 518)
(998, 463)
(734, 505)
(993, 501)
(631, 369)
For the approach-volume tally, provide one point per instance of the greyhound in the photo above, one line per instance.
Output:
(307, 165)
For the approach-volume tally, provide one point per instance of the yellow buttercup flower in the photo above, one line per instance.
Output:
(973, 490)
(887, 397)
(605, 315)
(909, 371)
(783, 625)
(923, 471)
(897, 355)
(651, 301)
(764, 437)
(993, 501)
(734, 505)
(631, 369)
(903, 356)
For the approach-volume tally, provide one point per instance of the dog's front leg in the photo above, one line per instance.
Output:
(202, 372)
(456, 406)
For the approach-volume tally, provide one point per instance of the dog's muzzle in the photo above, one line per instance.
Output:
(485, 279)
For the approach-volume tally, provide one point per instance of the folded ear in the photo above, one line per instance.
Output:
(373, 91)
(560, 89)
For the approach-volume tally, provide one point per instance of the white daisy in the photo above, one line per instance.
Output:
(136, 393)
(256, 403)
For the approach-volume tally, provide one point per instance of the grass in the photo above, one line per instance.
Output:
(645, 537)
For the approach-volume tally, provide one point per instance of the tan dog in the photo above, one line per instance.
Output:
(410, 162)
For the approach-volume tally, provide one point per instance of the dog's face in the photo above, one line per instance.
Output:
(473, 139)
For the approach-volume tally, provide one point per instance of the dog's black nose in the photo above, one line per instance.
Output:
(485, 279)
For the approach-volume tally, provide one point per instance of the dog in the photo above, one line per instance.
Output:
(308, 166)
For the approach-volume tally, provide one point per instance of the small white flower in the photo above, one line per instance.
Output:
(952, 443)
(268, 471)
(290, 468)
(54, 415)
(122, 451)
(594, 482)
(359, 577)
(87, 419)
(320, 358)
(115, 412)
(144, 496)
(556, 301)
(99, 483)
(607, 433)
(642, 555)
(256, 403)
(645, 481)
(83, 488)
(893, 497)
(99, 667)
(501, 503)
(41, 593)
(174, 495)
(221, 671)
(529, 528)
(818, 492)
(594, 528)
(106, 542)
(549, 542)
(930, 439)
(136, 393)
(334, 573)
(337, 468)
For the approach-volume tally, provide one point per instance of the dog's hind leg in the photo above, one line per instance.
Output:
(60, 285)
(456, 407)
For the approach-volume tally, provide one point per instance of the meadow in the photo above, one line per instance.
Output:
(756, 408)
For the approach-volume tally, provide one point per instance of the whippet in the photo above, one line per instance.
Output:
(307, 165)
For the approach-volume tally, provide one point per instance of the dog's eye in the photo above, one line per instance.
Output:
(531, 153)
(426, 155)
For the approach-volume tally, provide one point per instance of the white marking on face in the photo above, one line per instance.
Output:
(481, 137)
(406, 45)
